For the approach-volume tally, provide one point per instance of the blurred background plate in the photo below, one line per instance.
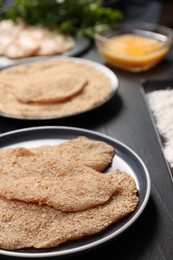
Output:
(101, 68)
(82, 44)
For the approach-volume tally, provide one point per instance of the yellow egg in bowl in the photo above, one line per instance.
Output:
(134, 46)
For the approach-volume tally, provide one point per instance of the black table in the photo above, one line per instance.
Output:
(126, 117)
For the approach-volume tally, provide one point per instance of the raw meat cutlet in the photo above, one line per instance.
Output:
(21, 40)
(48, 90)
(56, 175)
(95, 154)
(24, 225)
(74, 188)
(92, 153)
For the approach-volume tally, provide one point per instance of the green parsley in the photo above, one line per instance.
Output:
(76, 17)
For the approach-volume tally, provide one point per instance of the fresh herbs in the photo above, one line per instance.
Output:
(69, 16)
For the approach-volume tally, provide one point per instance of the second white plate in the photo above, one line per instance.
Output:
(102, 68)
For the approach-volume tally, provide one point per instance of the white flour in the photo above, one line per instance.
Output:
(161, 104)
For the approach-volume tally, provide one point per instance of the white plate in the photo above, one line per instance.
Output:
(124, 159)
(103, 69)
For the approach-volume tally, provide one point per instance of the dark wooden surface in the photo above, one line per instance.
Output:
(126, 117)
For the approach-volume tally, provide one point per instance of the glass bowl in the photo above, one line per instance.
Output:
(134, 46)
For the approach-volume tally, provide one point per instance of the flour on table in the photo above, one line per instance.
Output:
(161, 103)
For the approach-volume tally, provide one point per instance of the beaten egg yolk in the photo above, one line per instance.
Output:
(133, 51)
